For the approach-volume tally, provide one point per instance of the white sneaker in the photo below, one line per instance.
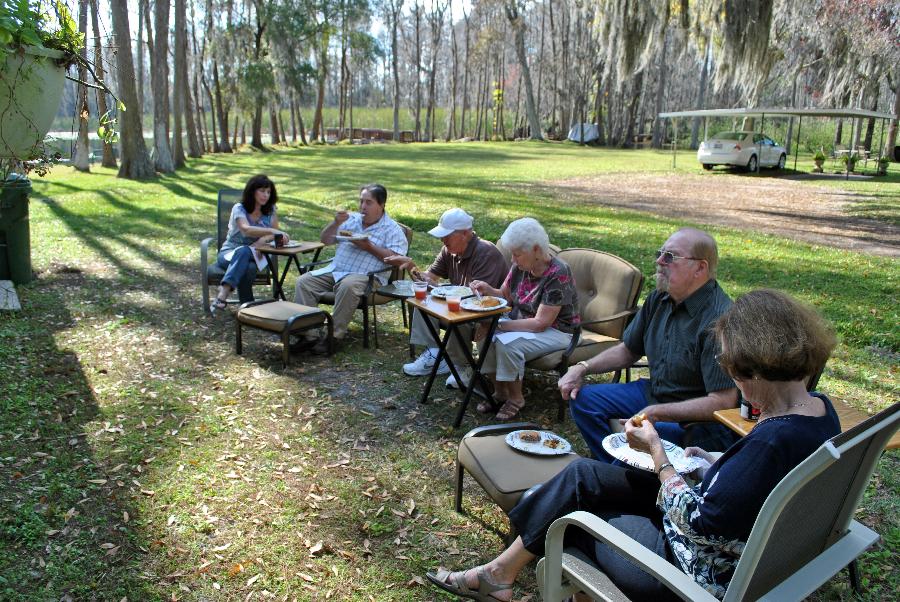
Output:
(424, 363)
(465, 374)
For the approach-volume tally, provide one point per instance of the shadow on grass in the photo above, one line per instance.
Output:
(63, 527)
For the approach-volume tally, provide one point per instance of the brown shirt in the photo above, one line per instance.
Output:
(480, 261)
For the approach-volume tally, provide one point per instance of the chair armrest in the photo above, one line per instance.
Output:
(670, 575)
(573, 345)
(204, 252)
(370, 285)
(306, 266)
(621, 314)
(494, 429)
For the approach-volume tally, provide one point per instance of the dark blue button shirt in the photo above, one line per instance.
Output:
(679, 343)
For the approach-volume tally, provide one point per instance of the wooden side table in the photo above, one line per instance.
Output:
(450, 321)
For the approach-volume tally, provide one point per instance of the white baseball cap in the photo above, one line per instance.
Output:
(452, 220)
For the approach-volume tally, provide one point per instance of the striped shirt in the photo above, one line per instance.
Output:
(350, 259)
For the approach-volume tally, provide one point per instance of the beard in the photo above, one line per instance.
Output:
(662, 281)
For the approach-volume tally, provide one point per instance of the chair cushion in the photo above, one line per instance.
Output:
(606, 285)
(274, 316)
(589, 345)
(504, 473)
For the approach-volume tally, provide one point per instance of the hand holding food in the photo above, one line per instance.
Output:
(644, 437)
(341, 216)
(347, 233)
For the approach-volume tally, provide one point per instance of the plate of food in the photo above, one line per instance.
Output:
(542, 443)
(291, 244)
(617, 446)
(447, 290)
(486, 303)
(348, 235)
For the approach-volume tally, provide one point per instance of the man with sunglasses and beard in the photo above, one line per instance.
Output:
(672, 329)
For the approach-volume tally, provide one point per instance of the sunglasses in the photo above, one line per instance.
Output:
(668, 257)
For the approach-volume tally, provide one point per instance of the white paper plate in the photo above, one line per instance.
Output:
(361, 236)
(473, 304)
(442, 292)
(540, 448)
(617, 446)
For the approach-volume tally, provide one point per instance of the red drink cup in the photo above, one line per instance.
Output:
(421, 289)
(453, 303)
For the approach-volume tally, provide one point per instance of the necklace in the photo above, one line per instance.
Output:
(790, 406)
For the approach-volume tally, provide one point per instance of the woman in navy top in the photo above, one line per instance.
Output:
(253, 222)
(770, 344)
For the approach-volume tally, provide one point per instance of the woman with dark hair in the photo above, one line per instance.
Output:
(253, 223)
(770, 344)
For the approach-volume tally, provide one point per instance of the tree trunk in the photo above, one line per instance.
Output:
(181, 75)
(891, 141)
(178, 88)
(454, 79)
(417, 11)
(518, 25)
(636, 86)
(293, 118)
(224, 145)
(465, 104)
(395, 8)
(436, 21)
(135, 160)
(109, 156)
(273, 125)
(82, 158)
(300, 125)
(143, 15)
(664, 60)
(159, 71)
(701, 95)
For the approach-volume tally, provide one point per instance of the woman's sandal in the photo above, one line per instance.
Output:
(217, 305)
(459, 587)
(509, 410)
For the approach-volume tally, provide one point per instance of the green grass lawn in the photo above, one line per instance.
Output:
(140, 457)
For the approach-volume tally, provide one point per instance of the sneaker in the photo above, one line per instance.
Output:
(424, 363)
(465, 374)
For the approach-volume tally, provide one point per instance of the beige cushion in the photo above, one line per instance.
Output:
(274, 316)
(606, 285)
(504, 473)
(589, 345)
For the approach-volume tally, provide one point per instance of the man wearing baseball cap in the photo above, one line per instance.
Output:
(464, 257)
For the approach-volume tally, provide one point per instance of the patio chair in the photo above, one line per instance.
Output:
(608, 290)
(804, 534)
(370, 299)
(210, 273)
(505, 474)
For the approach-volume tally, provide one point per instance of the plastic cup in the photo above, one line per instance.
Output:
(279, 240)
(453, 302)
(420, 289)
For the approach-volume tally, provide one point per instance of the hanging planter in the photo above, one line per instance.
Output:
(31, 87)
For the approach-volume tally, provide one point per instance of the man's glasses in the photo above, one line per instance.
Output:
(668, 256)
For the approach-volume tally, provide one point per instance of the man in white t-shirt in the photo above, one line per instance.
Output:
(352, 260)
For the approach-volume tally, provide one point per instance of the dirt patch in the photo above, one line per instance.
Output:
(781, 206)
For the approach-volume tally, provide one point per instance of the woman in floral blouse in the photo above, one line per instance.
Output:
(770, 344)
(541, 291)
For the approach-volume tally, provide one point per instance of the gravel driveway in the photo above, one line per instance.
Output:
(783, 206)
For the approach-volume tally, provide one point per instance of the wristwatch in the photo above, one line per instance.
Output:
(584, 365)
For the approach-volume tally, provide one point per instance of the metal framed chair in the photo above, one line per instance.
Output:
(804, 534)
(210, 273)
(608, 291)
(371, 298)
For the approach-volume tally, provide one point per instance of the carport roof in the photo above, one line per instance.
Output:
(857, 113)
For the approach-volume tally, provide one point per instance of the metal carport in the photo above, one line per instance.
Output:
(775, 112)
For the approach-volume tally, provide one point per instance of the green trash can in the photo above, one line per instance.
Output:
(15, 234)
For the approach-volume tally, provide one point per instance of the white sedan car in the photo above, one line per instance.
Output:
(741, 149)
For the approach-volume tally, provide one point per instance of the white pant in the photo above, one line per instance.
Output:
(508, 360)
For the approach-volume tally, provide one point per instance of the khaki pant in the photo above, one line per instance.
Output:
(508, 359)
(347, 292)
(420, 335)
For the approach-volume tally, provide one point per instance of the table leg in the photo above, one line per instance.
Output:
(273, 273)
(442, 353)
(287, 267)
(477, 376)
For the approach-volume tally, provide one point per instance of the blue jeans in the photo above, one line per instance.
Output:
(595, 405)
(623, 497)
(240, 272)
